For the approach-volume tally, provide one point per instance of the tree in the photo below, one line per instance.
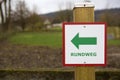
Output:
(5, 13)
(113, 20)
(64, 15)
(110, 17)
(105, 17)
(21, 14)
(1, 12)
(5, 7)
(9, 15)
(35, 21)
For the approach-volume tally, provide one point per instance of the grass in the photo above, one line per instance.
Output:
(5, 35)
(50, 39)
(114, 42)
(114, 31)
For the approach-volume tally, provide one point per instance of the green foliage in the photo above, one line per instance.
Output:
(35, 22)
(113, 42)
(114, 31)
(51, 39)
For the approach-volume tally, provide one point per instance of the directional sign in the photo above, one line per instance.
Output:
(83, 40)
(84, 44)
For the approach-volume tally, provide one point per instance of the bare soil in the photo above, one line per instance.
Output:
(35, 57)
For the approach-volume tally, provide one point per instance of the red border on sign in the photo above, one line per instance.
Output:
(63, 44)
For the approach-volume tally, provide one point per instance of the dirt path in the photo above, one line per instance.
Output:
(36, 57)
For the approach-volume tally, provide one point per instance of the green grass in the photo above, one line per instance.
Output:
(114, 42)
(50, 39)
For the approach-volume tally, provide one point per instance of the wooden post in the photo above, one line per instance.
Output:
(84, 12)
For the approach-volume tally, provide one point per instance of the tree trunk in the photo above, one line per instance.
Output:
(1, 12)
(9, 17)
(9, 8)
(5, 6)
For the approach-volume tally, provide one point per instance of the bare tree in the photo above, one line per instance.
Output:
(9, 15)
(1, 12)
(21, 14)
(65, 15)
(5, 7)
(5, 10)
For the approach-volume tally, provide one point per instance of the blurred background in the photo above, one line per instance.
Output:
(31, 39)
(21, 15)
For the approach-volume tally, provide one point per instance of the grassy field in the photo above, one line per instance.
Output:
(115, 42)
(51, 39)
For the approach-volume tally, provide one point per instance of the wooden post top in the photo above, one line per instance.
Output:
(84, 4)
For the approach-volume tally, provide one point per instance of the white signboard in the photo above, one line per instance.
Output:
(84, 44)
